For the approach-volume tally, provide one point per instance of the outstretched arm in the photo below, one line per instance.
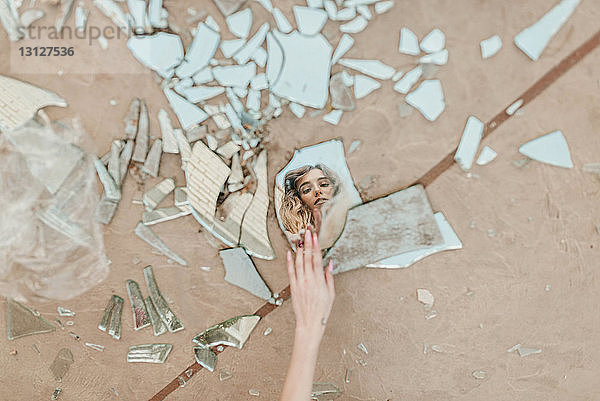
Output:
(312, 299)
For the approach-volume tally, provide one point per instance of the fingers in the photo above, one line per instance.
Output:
(291, 271)
(308, 250)
(316, 257)
(329, 280)
(299, 264)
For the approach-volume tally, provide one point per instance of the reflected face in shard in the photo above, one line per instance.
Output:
(314, 188)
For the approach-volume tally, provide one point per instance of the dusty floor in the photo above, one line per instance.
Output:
(544, 218)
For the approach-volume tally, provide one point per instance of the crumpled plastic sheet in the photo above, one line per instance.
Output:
(51, 247)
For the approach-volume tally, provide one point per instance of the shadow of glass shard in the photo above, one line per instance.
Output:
(469, 143)
(357, 25)
(409, 43)
(157, 193)
(162, 308)
(228, 7)
(240, 271)
(149, 353)
(61, 364)
(551, 149)
(346, 42)
(374, 68)
(240, 23)
(200, 52)
(157, 324)
(165, 214)
(310, 21)
(233, 332)
(428, 98)
(402, 221)
(325, 392)
(132, 118)
(533, 40)
(22, 321)
(486, 155)
(364, 85)
(20, 101)
(490, 46)
(408, 80)
(152, 163)
(433, 42)
(206, 358)
(160, 52)
(141, 318)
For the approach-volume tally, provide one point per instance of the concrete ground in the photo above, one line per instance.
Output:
(489, 296)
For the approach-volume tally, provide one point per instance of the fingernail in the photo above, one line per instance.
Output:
(307, 237)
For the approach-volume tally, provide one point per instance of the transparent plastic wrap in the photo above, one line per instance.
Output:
(51, 247)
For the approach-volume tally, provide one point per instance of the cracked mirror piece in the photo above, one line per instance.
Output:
(383, 6)
(164, 214)
(297, 109)
(131, 118)
(66, 8)
(114, 327)
(428, 98)
(364, 85)
(479, 374)
(10, 20)
(160, 52)
(113, 11)
(469, 143)
(235, 75)
(486, 155)
(510, 110)
(380, 220)
(146, 234)
(142, 137)
(304, 74)
(140, 314)
(162, 308)
(64, 311)
(240, 23)
(228, 7)
(114, 167)
(425, 297)
(325, 392)
(229, 48)
(333, 117)
(197, 94)
(233, 332)
(169, 143)
(206, 358)
(242, 56)
(104, 322)
(228, 150)
(157, 193)
(254, 235)
(533, 40)
(28, 17)
(345, 14)
(152, 163)
(187, 113)
(528, 351)
(22, 321)
(195, 134)
(490, 46)
(437, 58)
(408, 80)
(200, 52)
(409, 43)
(282, 22)
(346, 42)
(433, 42)
(61, 364)
(157, 324)
(111, 189)
(310, 21)
(551, 149)
(240, 271)
(374, 68)
(150, 353)
(403, 260)
(357, 25)
(253, 100)
(212, 24)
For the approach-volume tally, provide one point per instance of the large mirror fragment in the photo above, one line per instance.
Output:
(157, 324)
(149, 353)
(551, 149)
(206, 358)
(162, 308)
(240, 271)
(140, 314)
(22, 321)
(233, 332)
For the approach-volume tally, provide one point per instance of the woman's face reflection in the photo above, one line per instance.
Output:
(314, 188)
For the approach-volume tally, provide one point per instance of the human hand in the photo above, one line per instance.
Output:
(312, 289)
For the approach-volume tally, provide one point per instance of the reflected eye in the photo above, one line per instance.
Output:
(325, 184)
(306, 191)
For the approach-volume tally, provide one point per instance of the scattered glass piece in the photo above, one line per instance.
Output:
(259, 82)
(479, 374)
(158, 326)
(374, 68)
(282, 22)
(487, 155)
(56, 393)
(235, 75)
(254, 392)
(169, 144)
(514, 348)
(152, 163)
(187, 113)
(140, 314)
(345, 14)
(59, 323)
(548, 287)
(354, 146)
(428, 98)
(240, 271)
(23, 321)
(333, 117)
(244, 54)
(310, 21)
(357, 25)
(364, 85)
(325, 392)
(75, 336)
(433, 42)
(157, 193)
(162, 308)
(212, 24)
(436, 348)
(383, 6)
(240, 23)
(114, 317)
(150, 353)
(409, 43)
(160, 52)
(469, 143)
(279, 301)
(268, 331)
(510, 110)
(523, 352)
(61, 364)
(200, 52)
(233, 332)
(205, 357)
(362, 347)
(346, 42)
(64, 311)
(490, 46)
(224, 375)
(408, 80)
(228, 7)
(228, 48)
(205, 75)
(331, 9)
(437, 58)
(70, 323)
(35, 348)
(297, 109)
(551, 149)
(347, 377)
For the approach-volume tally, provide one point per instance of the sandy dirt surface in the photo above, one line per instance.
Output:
(489, 296)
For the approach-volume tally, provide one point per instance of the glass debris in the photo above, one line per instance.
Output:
(212, 24)
(240, 23)
(169, 143)
(383, 6)
(253, 100)
(205, 75)
(56, 393)
(160, 52)
(364, 85)
(548, 287)
(430, 315)
(152, 163)
(242, 56)
(165, 214)
(469, 143)
(206, 358)
(357, 25)
(325, 392)
(240, 271)
(254, 392)
(75, 336)
(268, 331)
(228, 150)
(162, 308)
(510, 110)
(114, 168)
(195, 134)
(479, 374)
(282, 22)
(113, 11)
(228, 48)
(331, 9)
(428, 98)
(297, 109)
(437, 58)
(310, 21)
(187, 113)
(200, 52)
(150, 353)
(354, 146)
(114, 327)
(233, 332)
(592, 168)
(70, 323)
(408, 80)
(10, 20)
(376, 218)
(534, 39)
(523, 352)
(95, 346)
(347, 376)
(224, 375)
(157, 193)
(140, 314)
(364, 11)
(551, 149)
(490, 46)
(486, 155)
(346, 42)
(433, 42)
(108, 312)
(259, 82)
(362, 347)
(157, 324)
(513, 348)
(61, 364)
(228, 7)
(23, 321)
(333, 117)
(235, 75)
(425, 297)
(64, 311)
(409, 43)
(35, 348)
(13, 352)
(59, 323)
(361, 362)
(374, 68)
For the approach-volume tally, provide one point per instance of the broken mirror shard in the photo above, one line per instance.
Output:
(253, 100)
(160, 52)
(235, 75)
(425, 297)
(303, 75)
(310, 21)
(111, 318)
(523, 351)
(10, 20)
(140, 314)
(364, 85)
(469, 143)
(534, 39)
(490, 46)
(111, 189)
(479, 374)
(131, 118)
(228, 48)
(345, 43)
(196, 94)
(64, 311)
(162, 308)
(157, 193)
(23, 321)
(363, 348)
(164, 214)
(195, 134)
(146, 234)
(383, 6)
(409, 43)
(142, 136)
(152, 163)
(428, 98)
(374, 68)
(240, 23)
(97, 347)
(28, 17)
(333, 117)
(233, 332)
(408, 80)
(342, 97)
(487, 155)
(228, 7)
(169, 144)
(61, 364)
(157, 324)
(185, 150)
(357, 25)
(187, 113)
(212, 24)
(200, 52)
(206, 358)
(381, 219)
(240, 271)
(149, 353)
(282, 22)
(114, 167)
(512, 109)
(180, 196)
(56, 393)
(437, 58)
(325, 392)
(433, 42)
(297, 109)
(105, 210)
(551, 149)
